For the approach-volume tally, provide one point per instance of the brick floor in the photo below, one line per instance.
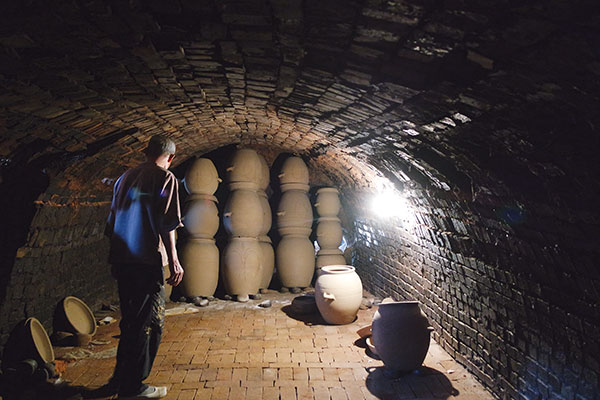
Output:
(233, 351)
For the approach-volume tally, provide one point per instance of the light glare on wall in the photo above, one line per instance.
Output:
(390, 204)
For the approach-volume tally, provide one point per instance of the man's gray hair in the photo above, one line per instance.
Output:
(159, 145)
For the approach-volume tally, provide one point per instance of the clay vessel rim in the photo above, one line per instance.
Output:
(337, 269)
(40, 338)
(198, 196)
(328, 219)
(201, 239)
(328, 189)
(264, 239)
(244, 238)
(243, 185)
(86, 311)
(330, 252)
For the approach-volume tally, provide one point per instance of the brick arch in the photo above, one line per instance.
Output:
(483, 114)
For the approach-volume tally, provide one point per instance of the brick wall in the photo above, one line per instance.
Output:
(511, 292)
(64, 254)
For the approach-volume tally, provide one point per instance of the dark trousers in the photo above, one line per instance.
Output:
(142, 297)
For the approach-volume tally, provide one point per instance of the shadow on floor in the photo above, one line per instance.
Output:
(48, 391)
(309, 319)
(424, 383)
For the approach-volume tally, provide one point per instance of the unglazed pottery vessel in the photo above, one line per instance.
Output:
(329, 232)
(36, 343)
(201, 217)
(201, 177)
(265, 174)
(330, 257)
(295, 257)
(338, 291)
(79, 317)
(200, 261)
(401, 335)
(243, 214)
(246, 166)
(294, 210)
(242, 266)
(267, 261)
(267, 218)
(328, 202)
(294, 170)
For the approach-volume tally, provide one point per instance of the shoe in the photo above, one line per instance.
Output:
(151, 392)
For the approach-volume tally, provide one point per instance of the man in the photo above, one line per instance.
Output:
(143, 217)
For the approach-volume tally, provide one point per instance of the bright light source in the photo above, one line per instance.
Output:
(391, 204)
(388, 204)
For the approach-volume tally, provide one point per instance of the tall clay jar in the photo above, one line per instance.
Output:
(243, 214)
(241, 266)
(338, 293)
(295, 258)
(294, 170)
(201, 177)
(267, 218)
(267, 261)
(202, 216)
(328, 202)
(329, 232)
(246, 166)
(294, 210)
(200, 258)
(329, 257)
(401, 335)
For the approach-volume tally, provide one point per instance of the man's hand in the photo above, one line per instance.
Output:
(176, 273)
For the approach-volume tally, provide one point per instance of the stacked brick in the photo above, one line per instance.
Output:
(243, 220)
(295, 252)
(200, 255)
(329, 228)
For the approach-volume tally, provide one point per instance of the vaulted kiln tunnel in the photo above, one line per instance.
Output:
(462, 136)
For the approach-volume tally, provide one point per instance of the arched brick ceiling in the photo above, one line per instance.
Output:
(439, 92)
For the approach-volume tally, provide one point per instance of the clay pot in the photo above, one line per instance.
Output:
(36, 343)
(243, 214)
(201, 177)
(328, 202)
(295, 186)
(329, 232)
(242, 266)
(246, 166)
(202, 216)
(338, 291)
(265, 174)
(294, 170)
(295, 257)
(243, 186)
(266, 213)
(200, 261)
(294, 230)
(76, 317)
(294, 210)
(267, 261)
(401, 335)
(330, 257)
